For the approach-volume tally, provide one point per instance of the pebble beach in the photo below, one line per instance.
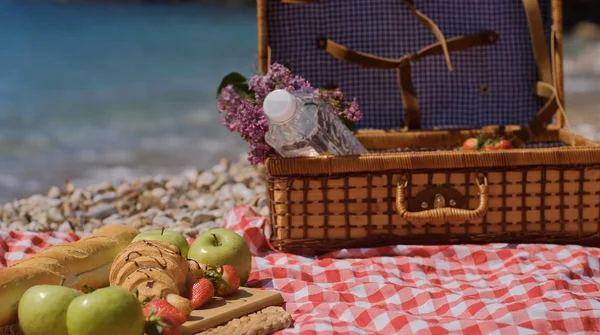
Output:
(191, 203)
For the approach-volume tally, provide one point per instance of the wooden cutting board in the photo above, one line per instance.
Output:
(221, 310)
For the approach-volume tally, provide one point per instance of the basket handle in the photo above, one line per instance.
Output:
(446, 214)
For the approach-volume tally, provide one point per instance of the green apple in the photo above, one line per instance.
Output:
(221, 246)
(169, 236)
(109, 310)
(43, 309)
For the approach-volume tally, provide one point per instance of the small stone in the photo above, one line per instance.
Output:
(177, 229)
(76, 196)
(178, 183)
(3, 225)
(16, 225)
(200, 229)
(53, 202)
(218, 184)
(205, 179)
(36, 199)
(162, 221)
(114, 219)
(159, 192)
(54, 215)
(53, 226)
(180, 215)
(37, 226)
(105, 197)
(147, 200)
(206, 201)
(65, 227)
(242, 192)
(101, 188)
(262, 202)
(95, 223)
(145, 182)
(137, 221)
(192, 194)
(201, 217)
(40, 217)
(264, 211)
(69, 187)
(222, 167)
(101, 211)
(191, 175)
(88, 228)
(54, 192)
(185, 224)
(123, 190)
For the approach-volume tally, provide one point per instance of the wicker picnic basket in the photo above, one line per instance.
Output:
(429, 74)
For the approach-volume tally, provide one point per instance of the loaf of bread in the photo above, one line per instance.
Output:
(84, 262)
(156, 270)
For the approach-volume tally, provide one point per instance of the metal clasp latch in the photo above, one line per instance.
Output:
(439, 201)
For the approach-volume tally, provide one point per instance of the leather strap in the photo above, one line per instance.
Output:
(544, 88)
(409, 96)
(364, 59)
(542, 118)
(541, 52)
(424, 19)
(404, 64)
(433, 27)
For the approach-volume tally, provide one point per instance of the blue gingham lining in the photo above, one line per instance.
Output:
(388, 28)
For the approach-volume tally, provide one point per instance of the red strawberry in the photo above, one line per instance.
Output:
(165, 312)
(162, 328)
(225, 279)
(491, 147)
(231, 279)
(504, 144)
(201, 292)
(470, 144)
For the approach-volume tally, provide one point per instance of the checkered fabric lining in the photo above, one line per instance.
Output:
(16, 245)
(388, 28)
(492, 289)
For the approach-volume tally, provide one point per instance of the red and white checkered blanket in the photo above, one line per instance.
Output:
(491, 289)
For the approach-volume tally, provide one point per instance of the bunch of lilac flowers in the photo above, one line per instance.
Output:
(241, 103)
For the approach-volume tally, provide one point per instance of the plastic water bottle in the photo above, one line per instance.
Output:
(302, 124)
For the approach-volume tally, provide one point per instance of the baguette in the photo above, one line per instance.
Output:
(84, 262)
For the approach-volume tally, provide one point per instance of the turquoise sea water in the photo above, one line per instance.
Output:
(97, 91)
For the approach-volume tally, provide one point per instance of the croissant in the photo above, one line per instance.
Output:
(156, 270)
(84, 262)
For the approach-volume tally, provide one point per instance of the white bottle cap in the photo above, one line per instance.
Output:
(279, 106)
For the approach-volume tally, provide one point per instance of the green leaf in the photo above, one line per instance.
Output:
(231, 79)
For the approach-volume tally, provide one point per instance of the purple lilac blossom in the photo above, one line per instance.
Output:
(228, 104)
(248, 117)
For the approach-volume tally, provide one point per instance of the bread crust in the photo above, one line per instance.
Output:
(84, 262)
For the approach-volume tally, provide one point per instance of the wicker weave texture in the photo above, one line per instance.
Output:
(540, 202)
